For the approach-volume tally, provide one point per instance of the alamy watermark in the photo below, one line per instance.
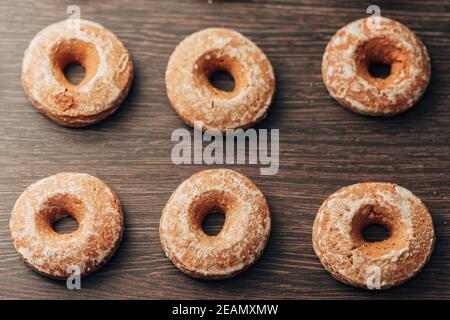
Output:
(74, 280)
(238, 146)
(373, 278)
(74, 18)
(374, 21)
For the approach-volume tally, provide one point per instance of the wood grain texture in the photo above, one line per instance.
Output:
(323, 147)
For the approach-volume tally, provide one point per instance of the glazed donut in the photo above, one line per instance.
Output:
(193, 96)
(108, 73)
(351, 51)
(244, 234)
(341, 248)
(90, 202)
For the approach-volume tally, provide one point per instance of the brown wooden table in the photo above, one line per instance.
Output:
(323, 147)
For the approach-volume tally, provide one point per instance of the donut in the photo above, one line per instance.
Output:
(90, 202)
(354, 48)
(343, 251)
(193, 96)
(243, 236)
(108, 73)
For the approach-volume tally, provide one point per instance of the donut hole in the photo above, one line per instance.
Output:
(379, 70)
(213, 223)
(381, 60)
(74, 73)
(375, 232)
(60, 214)
(209, 212)
(66, 54)
(66, 224)
(221, 74)
(373, 224)
(222, 80)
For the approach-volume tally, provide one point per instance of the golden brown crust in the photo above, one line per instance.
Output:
(345, 67)
(244, 234)
(194, 98)
(89, 201)
(108, 73)
(338, 241)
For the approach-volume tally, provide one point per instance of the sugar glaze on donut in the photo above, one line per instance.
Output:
(89, 201)
(340, 246)
(108, 73)
(244, 234)
(193, 96)
(346, 61)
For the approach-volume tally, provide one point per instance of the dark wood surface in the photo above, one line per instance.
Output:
(323, 147)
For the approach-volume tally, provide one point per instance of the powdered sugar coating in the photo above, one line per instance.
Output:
(338, 242)
(242, 238)
(195, 99)
(90, 201)
(345, 74)
(87, 103)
